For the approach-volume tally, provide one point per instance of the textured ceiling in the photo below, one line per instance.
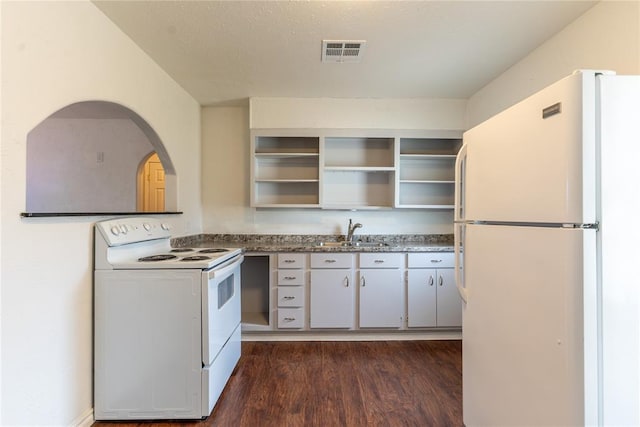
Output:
(226, 51)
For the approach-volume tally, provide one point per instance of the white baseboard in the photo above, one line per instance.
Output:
(84, 420)
(353, 336)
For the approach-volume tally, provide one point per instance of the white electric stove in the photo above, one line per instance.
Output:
(166, 322)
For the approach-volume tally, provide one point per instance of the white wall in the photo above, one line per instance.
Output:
(55, 54)
(606, 37)
(225, 135)
(333, 113)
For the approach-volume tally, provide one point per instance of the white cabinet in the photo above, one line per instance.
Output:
(290, 290)
(353, 169)
(449, 304)
(426, 172)
(380, 290)
(432, 296)
(354, 291)
(332, 291)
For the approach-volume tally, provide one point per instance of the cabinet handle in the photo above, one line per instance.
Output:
(289, 298)
(289, 261)
(330, 260)
(379, 261)
(289, 278)
(440, 280)
(430, 280)
(346, 281)
(289, 319)
(363, 281)
(436, 260)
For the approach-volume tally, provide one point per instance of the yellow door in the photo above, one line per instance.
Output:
(154, 186)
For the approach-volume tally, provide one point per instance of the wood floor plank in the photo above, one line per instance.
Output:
(351, 384)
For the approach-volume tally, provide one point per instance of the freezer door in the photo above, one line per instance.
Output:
(523, 357)
(535, 162)
(620, 148)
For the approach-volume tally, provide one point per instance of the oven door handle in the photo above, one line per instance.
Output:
(226, 267)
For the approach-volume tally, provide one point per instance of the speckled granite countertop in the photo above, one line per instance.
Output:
(309, 243)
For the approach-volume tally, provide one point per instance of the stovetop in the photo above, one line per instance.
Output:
(144, 243)
(201, 258)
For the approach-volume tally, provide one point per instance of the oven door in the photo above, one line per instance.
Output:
(221, 310)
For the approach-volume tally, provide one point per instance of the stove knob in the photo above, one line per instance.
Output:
(124, 229)
(165, 226)
(146, 226)
(115, 230)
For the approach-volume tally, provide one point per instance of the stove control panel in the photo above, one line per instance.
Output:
(122, 231)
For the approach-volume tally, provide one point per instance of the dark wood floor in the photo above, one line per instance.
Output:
(394, 383)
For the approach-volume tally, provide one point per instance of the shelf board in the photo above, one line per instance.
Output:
(441, 207)
(260, 319)
(340, 207)
(424, 181)
(282, 155)
(287, 205)
(285, 181)
(359, 168)
(427, 156)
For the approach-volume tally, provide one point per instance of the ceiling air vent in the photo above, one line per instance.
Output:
(342, 50)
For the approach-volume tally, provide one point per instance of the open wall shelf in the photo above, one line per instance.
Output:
(353, 169)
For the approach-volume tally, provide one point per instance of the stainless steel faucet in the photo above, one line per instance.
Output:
(352, 229)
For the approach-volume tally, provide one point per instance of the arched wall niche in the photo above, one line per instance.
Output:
(84, 159)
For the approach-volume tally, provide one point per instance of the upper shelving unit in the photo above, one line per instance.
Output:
(358, 172)
(427, 172)
(351, 169)
(285, 171)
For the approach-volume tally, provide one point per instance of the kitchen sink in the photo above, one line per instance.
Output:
(333, 244)
(369, 244)
(353, 244)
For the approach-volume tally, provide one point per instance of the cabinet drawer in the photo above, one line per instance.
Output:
(381, 260)
(290, 260)
(331, 260)
(290, 318)
(291, 296)
(431, 260)
(290, 277)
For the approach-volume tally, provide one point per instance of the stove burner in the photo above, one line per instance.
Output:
(178, 250)
(161, 257)
(195, 258)
(212, 251)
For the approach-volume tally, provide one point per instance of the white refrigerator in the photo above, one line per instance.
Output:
(547, 257)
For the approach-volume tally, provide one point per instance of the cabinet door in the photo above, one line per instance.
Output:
(380, 298)
(449, 302)
(332, 300)
(421, 297)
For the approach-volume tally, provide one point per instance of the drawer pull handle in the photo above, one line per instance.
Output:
(330, 260)
(289, 278)
(430, 280)
(289, 298)
(289, 319)
(379, 261)
(436, 260)
(289, 261)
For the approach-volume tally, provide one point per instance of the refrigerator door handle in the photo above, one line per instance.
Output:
(459, 196)
(458, 237)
